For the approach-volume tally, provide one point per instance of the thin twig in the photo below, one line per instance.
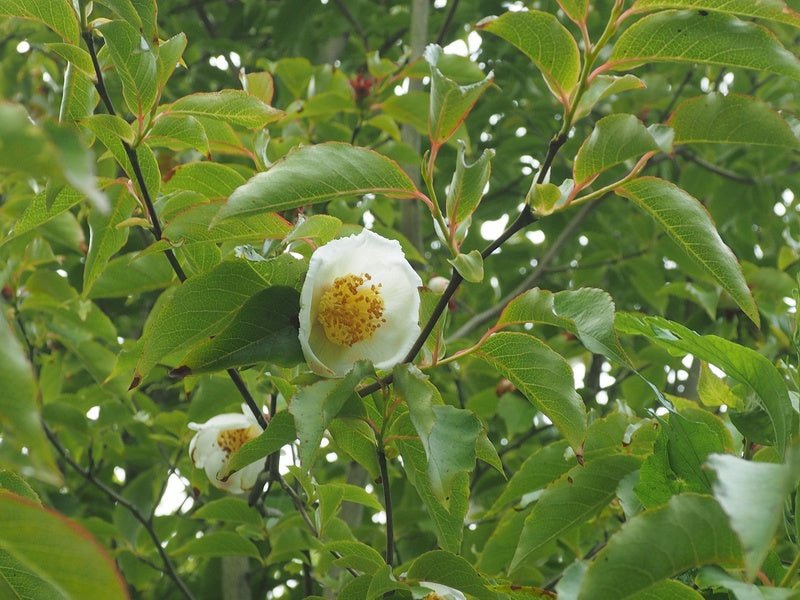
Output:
(350, 17)
(665, 113)
(717, 170)
(387, 505)
(448, 19)
(169, 568)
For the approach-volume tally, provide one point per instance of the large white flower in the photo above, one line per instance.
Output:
(215, 441)
(360, 300)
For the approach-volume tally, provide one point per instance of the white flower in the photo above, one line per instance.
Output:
(441, 592)
(215, 441)
(360, 300)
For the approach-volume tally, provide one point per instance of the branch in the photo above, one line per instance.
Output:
(721, 171)
(387, 503)
(448, 19)
(169, 568)
(350, 17)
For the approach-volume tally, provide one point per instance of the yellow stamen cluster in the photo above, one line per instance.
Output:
(351, 310)
(230, 440)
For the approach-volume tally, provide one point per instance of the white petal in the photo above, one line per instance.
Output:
(223, 421)
(443, 591)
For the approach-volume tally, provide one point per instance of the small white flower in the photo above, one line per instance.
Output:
(215, 441)
(441, 592)
(360, 300)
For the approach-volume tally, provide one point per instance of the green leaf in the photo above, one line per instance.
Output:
(203, 305)
(440, 566)
(689, 225)
(211, 180)
(614, 140)
(110, 124)
(106, 239)
(690, 531)
(17, 485)
(770, 10)
(714, 392)
(229, 510)
(135, 63)
(576, 10)
(546, 198)
(259, 84)
(668, 589)
(315, 406)
(19, 413)
(331, 496)
(125, 10)
(448, 434)
(448, 521)
(279, 432)
(546, 42)
(588, 313)
(732, 119)
(604, 86)
(74, 54)
(36, 538)
(356, 555)
(714, 577)
(236, 107)
(752, 495)
(539, 469)
(701, 37)
(319, 173)
(743, 364)
(131, 274)
(468, 184)
(543, 376)
(450, 102)
(469, 266)
(220, 543)
(572, 501)
(178, 132)
(191, 226)
(38, 212)
(356, 439)
(170, 53)
(58, 15)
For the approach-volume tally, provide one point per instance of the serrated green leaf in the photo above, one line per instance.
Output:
(318, 173)
(58, 15)
(543, 376)
(614, 140)
(690, 531)
(447, 521)
(203, 305)
(191, 226)
(79, 97)
(259, 84)
(178, 132)
(74, 54)
(220, 543)
(131, 274)
(702, 37)
(170, 53)
(546, 42)
(17, 485)
(264, 329)
(135, 63)
(539, 469)
(331, 496)
(36, 537)
(713, 391)
(450, 103)
(468, 184)
(689, 225)
(356, 555)
(211, 180)
(743, 364)
(576, 10)
(236, 107)
(448, 434)
(125, 10)
(106, 239)
(112, 124)
(440, 566)
(572, 501)
(356, 439)
(770, 10)
(315, 406)
(38, 213)
(733, 119)
(752, 495)
(604, 86)
(279, 432)
(229, 510)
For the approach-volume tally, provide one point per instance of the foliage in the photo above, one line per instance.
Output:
(600, 199)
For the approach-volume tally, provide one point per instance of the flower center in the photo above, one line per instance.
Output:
(230, 440)
(351, 310)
